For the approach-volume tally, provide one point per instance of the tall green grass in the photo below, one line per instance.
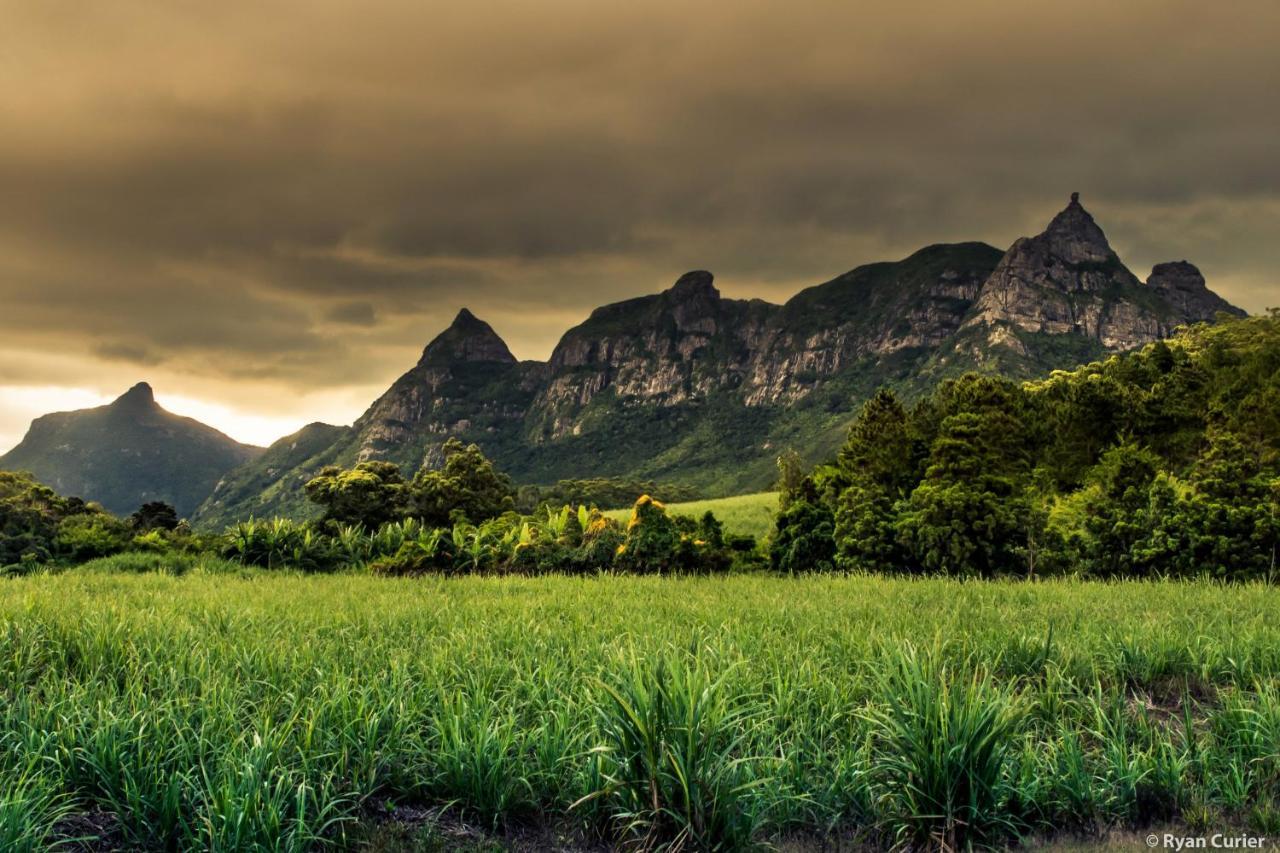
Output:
(251, 710)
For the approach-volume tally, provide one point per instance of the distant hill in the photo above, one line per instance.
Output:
(686, 386)
(127, 453)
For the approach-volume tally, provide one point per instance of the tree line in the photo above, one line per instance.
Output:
(459, 518)
(1158, 462)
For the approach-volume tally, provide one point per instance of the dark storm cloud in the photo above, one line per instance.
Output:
(352, 314)
(304, 193)
(126, 352)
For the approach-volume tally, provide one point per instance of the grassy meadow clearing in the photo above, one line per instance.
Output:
(741, 515)
(237, 709)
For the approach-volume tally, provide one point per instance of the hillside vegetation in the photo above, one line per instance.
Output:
(1162, 461)
(234, 711)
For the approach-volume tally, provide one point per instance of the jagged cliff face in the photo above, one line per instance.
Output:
(467, 381)
(688, 342)
(867, 315)
(1068, 281)
(662, 350)
(688, 386)
(1182, 286)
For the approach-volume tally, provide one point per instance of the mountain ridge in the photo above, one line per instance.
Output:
(690, 386)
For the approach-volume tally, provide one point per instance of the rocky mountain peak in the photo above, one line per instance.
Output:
(1068, 280)
(1176, 276)
(139, 398)
(694, 285)
(468, 339)
(1074, 237)
(1183, 287)
(694, 302)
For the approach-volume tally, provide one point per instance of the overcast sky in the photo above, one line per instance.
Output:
(267, 209)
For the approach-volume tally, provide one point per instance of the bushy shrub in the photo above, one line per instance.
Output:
(671, 771)
(601, 539)
(430, 550)
(652, 538)
(90, 535)
(281, 544)
(946, 746)
(657, 543)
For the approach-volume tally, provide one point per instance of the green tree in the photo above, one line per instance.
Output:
(467, 487)
(1230, 511)
(969, 515)
(805, 537)
(90, 535)
(30, 513)
(154, 515)
(791, 476)
(1119, 516)
(372, 493)
(877, 462)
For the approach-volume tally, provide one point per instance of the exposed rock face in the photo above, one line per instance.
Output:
(688, 386)
(868, 314)
(655, 349)
(1183, 287)
(688, 342)
(468, 339)
(1075, 238)
(1068, 280)
(442, 395)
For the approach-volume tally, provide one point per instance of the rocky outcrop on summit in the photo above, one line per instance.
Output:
(663, 349)
(468, 339)
(466, 377)
(1068, 280)
(127, 453)
(1183, 287)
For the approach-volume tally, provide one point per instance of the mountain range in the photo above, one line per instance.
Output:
(688, 386)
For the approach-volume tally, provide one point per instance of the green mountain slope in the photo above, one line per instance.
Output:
(127, 453)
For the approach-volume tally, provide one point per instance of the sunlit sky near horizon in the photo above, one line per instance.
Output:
(267, 210)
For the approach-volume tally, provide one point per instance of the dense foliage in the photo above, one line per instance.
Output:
(1160, 462)
(453, 520)
(568, 540)
(372, 493)
(37, 526)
